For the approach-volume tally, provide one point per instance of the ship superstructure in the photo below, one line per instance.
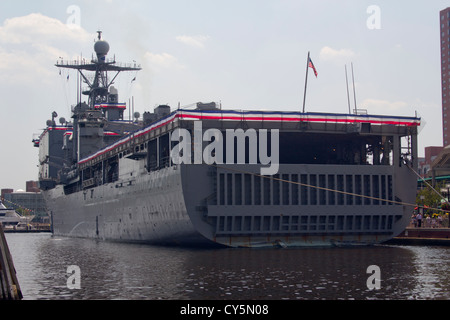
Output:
(238, 178)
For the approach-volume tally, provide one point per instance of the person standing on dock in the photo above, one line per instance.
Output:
(419, 220)
(414, 220)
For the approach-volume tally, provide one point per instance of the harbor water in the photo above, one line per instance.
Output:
(106, 271)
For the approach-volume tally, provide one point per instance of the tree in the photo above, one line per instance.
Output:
(431, 198)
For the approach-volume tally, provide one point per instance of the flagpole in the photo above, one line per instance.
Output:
(306, 82)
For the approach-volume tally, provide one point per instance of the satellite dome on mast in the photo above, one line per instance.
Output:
(101, 48)
(100, 82)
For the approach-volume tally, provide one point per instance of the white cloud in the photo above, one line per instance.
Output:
(30, 45)
(36, 27)
(194, 41)
(336, 55)
(20, 66)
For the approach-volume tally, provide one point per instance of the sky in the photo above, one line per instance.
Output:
(246, 54)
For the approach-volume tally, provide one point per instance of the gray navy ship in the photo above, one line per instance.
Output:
(203, 175)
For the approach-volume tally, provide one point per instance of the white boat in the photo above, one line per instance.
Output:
(10, 219)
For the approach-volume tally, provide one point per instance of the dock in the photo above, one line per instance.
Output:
(30, 228)
(10, 289)
(423, 236)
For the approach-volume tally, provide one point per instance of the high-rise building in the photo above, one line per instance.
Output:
(445, 72)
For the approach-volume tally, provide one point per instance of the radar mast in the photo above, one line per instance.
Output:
(99, 84)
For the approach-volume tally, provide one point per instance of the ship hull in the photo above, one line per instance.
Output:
(200, 205)
(148, 209)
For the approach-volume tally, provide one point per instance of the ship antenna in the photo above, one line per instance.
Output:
(354, 90)
(348, 94)
(99, 35)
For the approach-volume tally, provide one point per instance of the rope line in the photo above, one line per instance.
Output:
(429, 185)
(330, 190)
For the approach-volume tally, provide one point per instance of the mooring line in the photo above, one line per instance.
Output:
(328, 189)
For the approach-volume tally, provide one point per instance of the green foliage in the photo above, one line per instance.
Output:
(431, 198)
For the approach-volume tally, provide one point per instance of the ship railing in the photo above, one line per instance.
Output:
(164, 162)
(360, 111)
(154, 165)
(83, 62)
(89, 183)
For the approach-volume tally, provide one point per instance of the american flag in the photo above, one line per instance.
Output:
(311, 65)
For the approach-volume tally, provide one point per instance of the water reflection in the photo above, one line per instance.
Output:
(128, 271)
(432, 273)
(297, 273)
